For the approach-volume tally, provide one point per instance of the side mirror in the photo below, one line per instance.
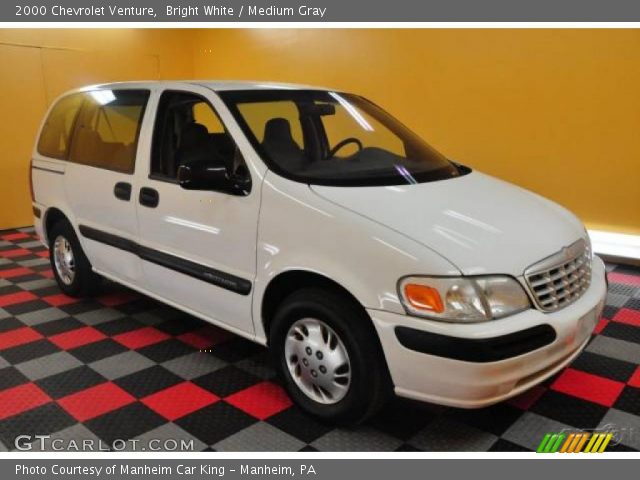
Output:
(208, 177)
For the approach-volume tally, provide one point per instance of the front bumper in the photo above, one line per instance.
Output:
(472, 381)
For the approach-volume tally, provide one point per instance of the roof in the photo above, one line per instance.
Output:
(215, 85)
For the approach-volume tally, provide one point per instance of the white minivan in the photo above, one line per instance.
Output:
(312, 221)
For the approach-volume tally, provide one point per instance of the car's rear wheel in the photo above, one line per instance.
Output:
(70, 266)
(329, 356)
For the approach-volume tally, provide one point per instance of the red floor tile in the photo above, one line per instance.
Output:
(95, 401)
(634, 381)
(60, 299)
(20, 399)
(624, 278)
(15, 272)
(179, 400)
(141, 337)
(261, 401)
(16, 252)
(15, 298)
(10, 237)
(16, 337)
(587, 386)
(205, 337)
(47, 273)
(43, 254)
(600, 326)
(628, 316)
(118, 298)
(77, 338)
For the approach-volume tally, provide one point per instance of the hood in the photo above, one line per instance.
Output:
(479, 223)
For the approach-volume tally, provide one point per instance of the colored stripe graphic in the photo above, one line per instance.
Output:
(581, 443)
(569, 441)
(551, 443)
(543, 443)
(575, 442)
(605, 442)
(592, 442)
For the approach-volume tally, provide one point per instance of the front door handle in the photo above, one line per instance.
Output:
(122, 190)
(149, 197)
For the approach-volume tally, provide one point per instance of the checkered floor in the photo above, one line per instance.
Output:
(122, 366)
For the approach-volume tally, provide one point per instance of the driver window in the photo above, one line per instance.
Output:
(189, 131)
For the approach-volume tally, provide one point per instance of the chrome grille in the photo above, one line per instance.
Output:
(562, 278)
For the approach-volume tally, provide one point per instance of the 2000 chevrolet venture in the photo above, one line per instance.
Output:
(312, 221)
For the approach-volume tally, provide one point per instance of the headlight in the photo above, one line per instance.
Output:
(462, 299)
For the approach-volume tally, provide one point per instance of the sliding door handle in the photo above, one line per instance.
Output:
(122, 191)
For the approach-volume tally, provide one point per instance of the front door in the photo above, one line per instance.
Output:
(198, 247)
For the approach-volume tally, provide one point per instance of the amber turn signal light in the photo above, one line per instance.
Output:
(424, 298)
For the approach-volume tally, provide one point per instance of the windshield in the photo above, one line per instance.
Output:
(330, 138)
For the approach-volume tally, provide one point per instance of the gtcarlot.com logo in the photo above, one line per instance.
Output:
(46, 443)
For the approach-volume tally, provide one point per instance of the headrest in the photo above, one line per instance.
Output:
(194, 134)
(277, 130)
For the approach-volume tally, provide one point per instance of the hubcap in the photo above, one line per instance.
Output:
(318, 361)
(63, 259)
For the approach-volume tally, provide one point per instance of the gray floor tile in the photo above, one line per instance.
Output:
(38, 317)
(48, 365)
(259, 437)
(120, 365)
(71, 440)
(31, 244)
(36, 284)
(34, 262)
(627, 426)
(530, 429)
(95, 317)
(361, 439)
(616, 300)
(612, 347)
(259, 366)
(445, 435)
(194, 365)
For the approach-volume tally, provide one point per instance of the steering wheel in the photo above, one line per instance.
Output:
(342, 144)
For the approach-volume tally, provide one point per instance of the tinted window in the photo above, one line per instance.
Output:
(56, 132)
(107, 128)
(331, 138)
(189, 131)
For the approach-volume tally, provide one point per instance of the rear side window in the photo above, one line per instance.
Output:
(56, 133)
(107, 129)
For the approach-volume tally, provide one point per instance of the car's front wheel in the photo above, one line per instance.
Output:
(329, 356)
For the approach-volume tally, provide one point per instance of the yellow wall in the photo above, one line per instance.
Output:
(38, 65)
(555, 111)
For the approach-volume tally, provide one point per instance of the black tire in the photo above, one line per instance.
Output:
(85, 281)
(370, 385)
